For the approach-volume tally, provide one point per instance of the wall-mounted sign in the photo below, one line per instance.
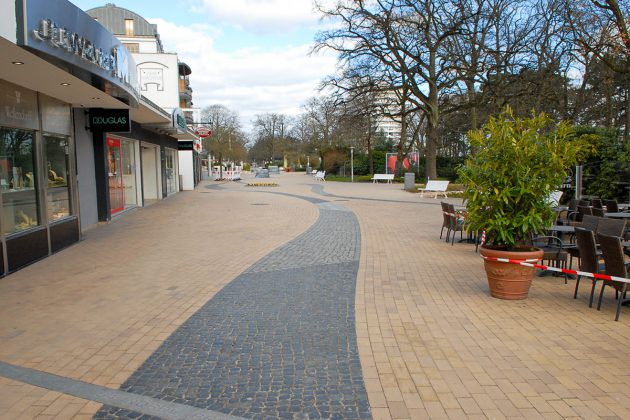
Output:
(61, 32)
(185, 145)
(203, 132)
(154, 77)
(109, 120)
(179, 121)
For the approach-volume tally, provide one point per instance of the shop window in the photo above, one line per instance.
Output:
(58, 193)
(18, 180)
(129, 27)
(128, 158)
(171, 173)
(115, 179)
(132, 47)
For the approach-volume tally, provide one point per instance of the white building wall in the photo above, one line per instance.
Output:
(7, 20)
(158, 76)
(186, 170)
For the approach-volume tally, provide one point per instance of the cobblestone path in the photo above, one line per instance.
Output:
(278, 342)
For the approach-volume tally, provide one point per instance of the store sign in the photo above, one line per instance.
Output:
(18, 106)
(185, 145)
(60, 30)
(179, 121)
(110, 120)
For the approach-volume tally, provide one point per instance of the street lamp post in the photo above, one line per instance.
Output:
(351, 163)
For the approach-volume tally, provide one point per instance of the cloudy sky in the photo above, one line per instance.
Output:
(250, 55)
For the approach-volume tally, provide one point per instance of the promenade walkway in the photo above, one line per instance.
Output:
(299, 301)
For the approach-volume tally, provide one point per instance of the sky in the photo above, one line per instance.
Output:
(249, 55)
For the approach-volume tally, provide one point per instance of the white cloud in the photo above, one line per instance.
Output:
(250, 80)
(262, 15)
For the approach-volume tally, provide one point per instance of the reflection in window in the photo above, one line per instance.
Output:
(18, 179)
(58, 195)
(171, 181)
(127, 152)
(129, 27)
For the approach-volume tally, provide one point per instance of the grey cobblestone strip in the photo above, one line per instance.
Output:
(128, 403)
(278, 342)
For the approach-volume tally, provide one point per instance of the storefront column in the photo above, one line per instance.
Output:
(101, 173)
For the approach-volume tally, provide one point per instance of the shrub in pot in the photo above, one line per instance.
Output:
(517, 163)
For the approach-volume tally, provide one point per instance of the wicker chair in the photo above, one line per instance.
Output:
(456, 224)
(446, 221)
(589, 261)
(596, 203)
(598, 212)
(553, 249)
(612, 251)
(611, 206)
(589, 223)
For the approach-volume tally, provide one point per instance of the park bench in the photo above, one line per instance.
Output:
(382, 177)
(320, 176)
(436, 187)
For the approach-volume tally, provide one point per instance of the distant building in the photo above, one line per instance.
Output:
(163, 79)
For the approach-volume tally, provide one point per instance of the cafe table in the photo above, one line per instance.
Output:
(618, 215)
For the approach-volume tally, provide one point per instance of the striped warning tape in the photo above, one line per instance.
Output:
(532, 263)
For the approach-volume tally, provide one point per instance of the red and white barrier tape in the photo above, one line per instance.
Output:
(483, 238)
(531, 263)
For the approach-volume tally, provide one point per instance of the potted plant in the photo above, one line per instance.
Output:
(516, 165)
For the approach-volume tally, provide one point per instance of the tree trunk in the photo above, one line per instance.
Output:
(626, 128)
(430, 170)
(433, 119)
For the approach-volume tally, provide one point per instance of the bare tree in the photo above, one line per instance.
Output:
(227, 136)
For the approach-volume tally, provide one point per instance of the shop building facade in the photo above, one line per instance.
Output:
(78, 143)
(163, 79)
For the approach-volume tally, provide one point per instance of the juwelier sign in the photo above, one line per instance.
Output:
(109, 120)
(61, 32)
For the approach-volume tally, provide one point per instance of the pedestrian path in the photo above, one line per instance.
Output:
(296, 284)
(277, 342)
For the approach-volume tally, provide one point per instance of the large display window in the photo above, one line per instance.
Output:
(18, 180)
(128, 158)
(58, 192)
(171, 171)
(116, 189)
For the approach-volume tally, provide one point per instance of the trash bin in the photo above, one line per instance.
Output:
(410, 181)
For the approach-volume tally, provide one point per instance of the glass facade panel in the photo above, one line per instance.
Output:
(171, 172)
(58, 193)
(18, 179)
(128, 156)
(116, 190)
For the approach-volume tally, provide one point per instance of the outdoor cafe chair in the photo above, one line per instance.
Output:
(456, 223)
(596, 203)
(446, 221)
(589, 223)
(611, 206)
(598, 211)
(612, 251)
(554, 250)
(589, 260)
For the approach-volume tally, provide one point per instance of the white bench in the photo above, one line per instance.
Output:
(320, 176)
(436, 187)
(383, 177)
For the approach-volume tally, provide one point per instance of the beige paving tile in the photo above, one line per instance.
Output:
(432, 342)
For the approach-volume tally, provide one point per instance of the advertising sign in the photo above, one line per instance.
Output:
(109, 120)
(63, 34)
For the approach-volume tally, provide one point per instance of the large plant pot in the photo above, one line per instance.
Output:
(506, 280)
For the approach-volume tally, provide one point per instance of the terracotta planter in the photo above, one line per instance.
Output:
(509, 281)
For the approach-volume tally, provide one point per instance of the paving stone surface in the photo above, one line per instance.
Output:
(278, 342)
